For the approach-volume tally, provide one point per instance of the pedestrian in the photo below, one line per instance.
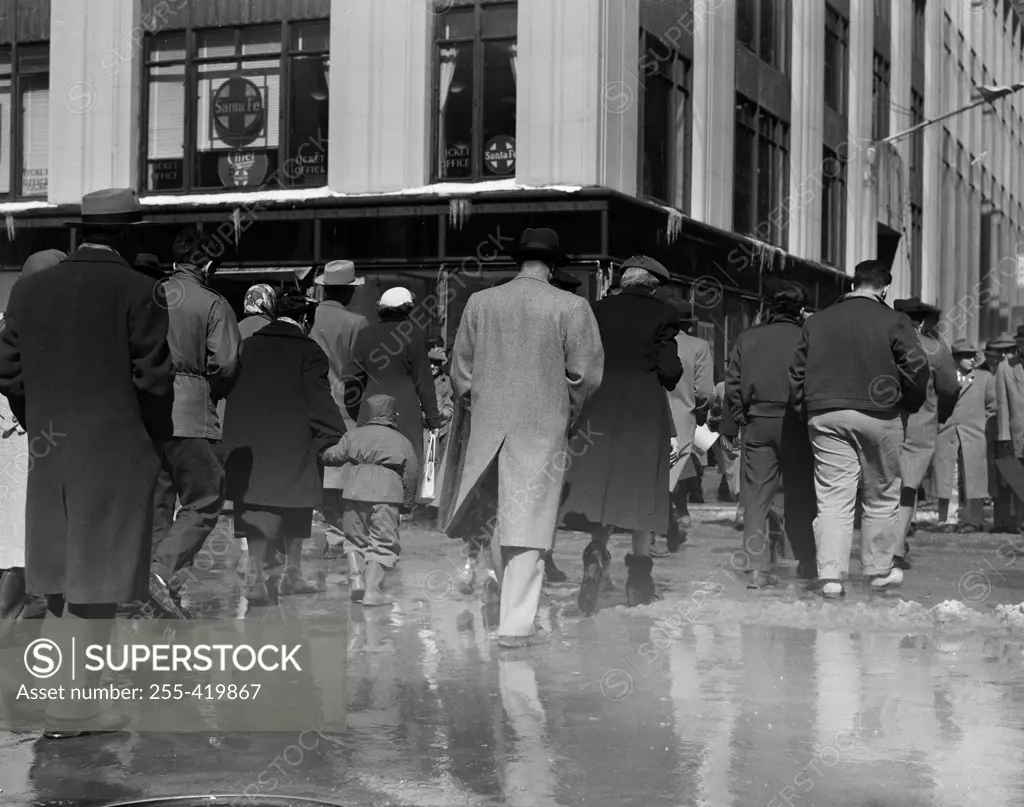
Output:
(688, 402)
(204, 341)
(86, 368)
(961, 460)
(279, 419)
(622, 482)
(380, 485)
(446, 407)
(390, 358)
(728, 451)
(258, 307)
(527, 357)
(1010, 409)
(997, 351)
(922, 426)
(15, 462)
(775, 440)
(149, 265)
(857, 368)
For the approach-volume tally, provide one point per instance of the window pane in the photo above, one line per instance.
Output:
(167, 47)
(35, 133)
(215, 43)
(5, 128)
(455, 111)
(457, 24)
(166, 143)
(261, 39)
(764, 186)
(311, 36)
(769, 45)
(33, 58)
(743, 180)
(499, 108)
(657, 112)
(307, 130)
(500, 20)
(746, 22)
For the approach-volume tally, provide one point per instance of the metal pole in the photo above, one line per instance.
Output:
(976, 104)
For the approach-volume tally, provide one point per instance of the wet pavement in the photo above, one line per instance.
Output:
(713, 696)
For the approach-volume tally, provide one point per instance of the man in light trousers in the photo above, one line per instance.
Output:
(857, 366)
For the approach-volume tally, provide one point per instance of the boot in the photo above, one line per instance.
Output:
(12, 593)
(552, 574)
(677, 526)
(639, 583)
(356, 581)
(595, 561)
(375, 586)
(255, 581)
(292, 581)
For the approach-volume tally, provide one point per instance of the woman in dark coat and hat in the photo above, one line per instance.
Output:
(622, 480)
(280, 417)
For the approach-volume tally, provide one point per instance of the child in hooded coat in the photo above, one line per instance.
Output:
(379, 477)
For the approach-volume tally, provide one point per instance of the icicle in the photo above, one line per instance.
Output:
(236, 220)
(675, 225)
(604, 280)
(9, 221)
(442, 303)
(459, 211)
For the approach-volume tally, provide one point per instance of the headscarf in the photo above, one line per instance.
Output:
(260, 299)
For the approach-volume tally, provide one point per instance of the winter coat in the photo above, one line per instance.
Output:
(719, 416)
(381, 461)
(527, 357)
(85, 365)
(15, 462)
(445, 406)
(965, 431)
(335, 329)
(691, 395)
(204, 341)
(279, 418)
(623, 478)
(859, 354)
(390, 358)
(757, 384)
(922, 427)
(252, 323)
(1010, 403)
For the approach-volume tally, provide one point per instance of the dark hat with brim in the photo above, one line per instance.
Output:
(648, 264)
(684, 310)
(294, 306)
(565, 281)
(964, 347)
(913, 307)
(437, 354)
(148, 261)
(539, 244)
(1004, 341)
(111, 207)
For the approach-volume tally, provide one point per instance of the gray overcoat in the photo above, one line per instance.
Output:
(526, 358)
(692, 394)
(965, 431)
(1010, 403)
(922, 427)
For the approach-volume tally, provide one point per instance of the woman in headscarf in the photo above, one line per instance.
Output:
(390, 358)
(15, 460)
(259, 309)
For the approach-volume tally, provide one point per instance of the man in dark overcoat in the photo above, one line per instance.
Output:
(622, 480)
(85, 365)
(997, 351)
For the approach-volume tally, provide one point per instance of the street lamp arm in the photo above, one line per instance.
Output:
(990, 95)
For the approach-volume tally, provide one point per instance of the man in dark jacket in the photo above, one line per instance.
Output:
(774, 437)
(204, 342)
(85, 365)
(859, 365)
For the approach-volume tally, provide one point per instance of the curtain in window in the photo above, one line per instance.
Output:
(513, 58)
(446, 73)
(167, 114)
(35, 136)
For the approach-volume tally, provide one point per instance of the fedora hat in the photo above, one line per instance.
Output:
(684, 309)
(294, 305)
(912, 306)
(565, 281)
(437, 354)
(340, 273)
(539, 244)
(964, 346)
(110, 207)
(649, 265)
(1004, 341)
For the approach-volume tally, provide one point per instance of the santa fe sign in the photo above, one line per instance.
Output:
(238, 112)
(500, 154)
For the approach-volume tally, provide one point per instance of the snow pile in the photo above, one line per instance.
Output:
(1011, 615)
(952, 611)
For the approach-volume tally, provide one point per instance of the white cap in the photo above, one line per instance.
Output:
(396, 298)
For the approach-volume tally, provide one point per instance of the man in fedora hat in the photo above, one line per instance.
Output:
(149, 265)
(622, 481)
(997, 351)
(961, 456)
(85, 364)
(922, 427)
(527, 357)
(1010, 416)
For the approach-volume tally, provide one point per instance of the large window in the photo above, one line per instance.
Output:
(763, 26)
(217, 99)
(475, 90)
(666, 124)
(761, 174)
(916, 139)
(837, 49)
(833, 208)
(880, 98)
(24, 121)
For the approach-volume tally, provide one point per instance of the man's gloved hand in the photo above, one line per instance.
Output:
(1004, 449)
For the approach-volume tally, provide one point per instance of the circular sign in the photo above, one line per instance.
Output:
(500, 154)
(242, 169)
(238, 111)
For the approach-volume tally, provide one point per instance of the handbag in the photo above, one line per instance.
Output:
(429, 469)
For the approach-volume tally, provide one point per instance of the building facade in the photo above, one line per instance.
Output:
(735, 140)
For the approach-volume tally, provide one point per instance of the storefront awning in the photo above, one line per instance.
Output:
(298, 272)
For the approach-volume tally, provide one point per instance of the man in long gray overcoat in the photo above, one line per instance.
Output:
(526, 358)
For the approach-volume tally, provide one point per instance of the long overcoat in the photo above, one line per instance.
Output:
(922, 427)
(526, 358)
(692, 394)
(623, 478)
(85, 365)
(965, 431)
(14, 465)
(335, 329)
(1010, 403)
(280, 417)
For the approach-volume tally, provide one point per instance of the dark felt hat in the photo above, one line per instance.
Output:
(1004, 341)
(110, 207)
(684, 309)
(913, 307)
(565, 281)
(539, 244)
(964, 347)
(648, 264)
(294, 306)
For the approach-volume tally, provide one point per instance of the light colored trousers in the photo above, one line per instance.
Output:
(521, 583)
(851, 449)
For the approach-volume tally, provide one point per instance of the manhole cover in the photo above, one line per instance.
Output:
(231, 800)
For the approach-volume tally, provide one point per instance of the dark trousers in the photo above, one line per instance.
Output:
(774, 447)
(192, 471)
(373, 528)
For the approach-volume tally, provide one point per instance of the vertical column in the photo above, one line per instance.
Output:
(807, 128)
(714, 124)
(95, 73)
(578, 96)
(862, 210)
(931, 213)
(381, 70)
(900, 118)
